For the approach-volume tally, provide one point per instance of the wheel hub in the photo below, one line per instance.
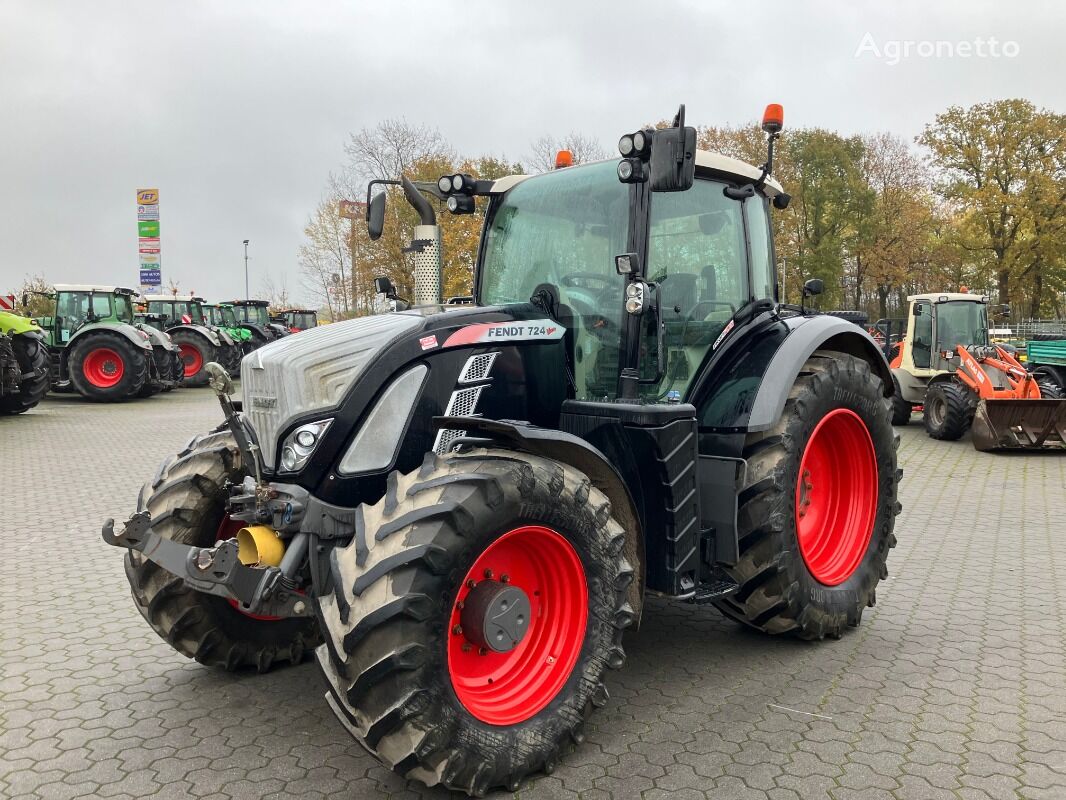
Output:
(495, 616)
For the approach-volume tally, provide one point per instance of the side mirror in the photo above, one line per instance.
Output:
(917, 310)
(673, 159)
(813, 287)
(25, 299)
(383, 285)
(375, 216)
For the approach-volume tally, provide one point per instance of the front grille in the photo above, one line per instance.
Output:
(301, 374)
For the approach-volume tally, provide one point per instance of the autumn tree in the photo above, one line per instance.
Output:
(584, 148)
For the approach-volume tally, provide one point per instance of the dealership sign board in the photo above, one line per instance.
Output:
(148, 248)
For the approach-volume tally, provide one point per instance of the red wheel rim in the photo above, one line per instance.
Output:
(192, 358)
(227, 529)
(103, 367)
(836, 496)
(507, 688)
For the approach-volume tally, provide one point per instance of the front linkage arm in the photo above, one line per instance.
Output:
(212, 570)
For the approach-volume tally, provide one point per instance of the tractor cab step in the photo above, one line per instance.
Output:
(716, 586)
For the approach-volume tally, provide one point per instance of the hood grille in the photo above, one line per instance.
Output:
(310, 371)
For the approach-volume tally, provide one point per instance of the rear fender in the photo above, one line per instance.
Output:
(128, 331)
(815, 333)
(200, 329)
(580, 455)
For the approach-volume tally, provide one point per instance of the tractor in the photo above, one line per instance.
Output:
(24, 372)
(461, 507)
(254, 316)
(198, 341)
(221, 316)
(942, 360)
(297, 319)
(96, 346)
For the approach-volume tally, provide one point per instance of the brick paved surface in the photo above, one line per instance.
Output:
(954, 686)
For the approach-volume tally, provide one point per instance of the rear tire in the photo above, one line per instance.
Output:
(187, 502)
(901, 409)
(948, 410)
(394, 659)
(107, 367)
(783, 587)
(31, 357)
(196, 352)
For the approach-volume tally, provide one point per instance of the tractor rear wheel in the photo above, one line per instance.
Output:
(948, 411)
(187, 501)
(901, 409)
(107, 367)
(196, 351)
(816, 516)
(473, 616)
(31, 358)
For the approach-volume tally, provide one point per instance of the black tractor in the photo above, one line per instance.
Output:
(460, 507)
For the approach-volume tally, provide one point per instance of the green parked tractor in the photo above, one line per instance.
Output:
(23, 364)
(96, 346)
(254, 316)
(221, 315)
(198, 340)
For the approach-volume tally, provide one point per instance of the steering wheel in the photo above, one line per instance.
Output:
(572, 279)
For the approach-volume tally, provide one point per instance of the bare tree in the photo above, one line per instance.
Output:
(276, 293)
(584, 148)
(389, 149)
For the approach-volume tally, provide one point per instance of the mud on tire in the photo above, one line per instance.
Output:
(186, 499)
(778, 593)
(394, 588)
(949, 410)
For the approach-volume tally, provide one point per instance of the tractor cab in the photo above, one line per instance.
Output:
(254, 315)
(178, 309)
(77, 305)
(298, 319)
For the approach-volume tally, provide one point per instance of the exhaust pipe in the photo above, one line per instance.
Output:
(259, 546)
(425, 248)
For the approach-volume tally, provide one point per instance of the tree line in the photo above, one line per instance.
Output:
(977, 199)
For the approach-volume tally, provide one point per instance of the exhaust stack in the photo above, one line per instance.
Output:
(425, 248)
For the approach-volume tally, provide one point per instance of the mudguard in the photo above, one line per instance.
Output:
(133, 334)
(200, 329)
(157, 337)
(581, 455)
(809, 334)
(13, 324)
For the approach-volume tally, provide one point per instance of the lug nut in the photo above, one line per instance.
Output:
(457, 630)
(505, 579)
(482, 651)
(467, 647)
(470, 584)
(488, 574)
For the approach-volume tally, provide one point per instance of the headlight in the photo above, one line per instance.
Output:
(300, 444)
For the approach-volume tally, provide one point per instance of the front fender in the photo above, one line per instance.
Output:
(130, 332)
(157, 337)
(809, 334)
(200, 329)
(580, 455)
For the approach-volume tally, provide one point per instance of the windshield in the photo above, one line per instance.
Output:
(303, 320)
(961, 322)
(196, 312)
(124, 307)
(256, 314)
(213, 315)
(228, 317)
(562, 228)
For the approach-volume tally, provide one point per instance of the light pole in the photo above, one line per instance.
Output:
(247, 295)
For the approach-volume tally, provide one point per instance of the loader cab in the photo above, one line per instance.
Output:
(938, 324)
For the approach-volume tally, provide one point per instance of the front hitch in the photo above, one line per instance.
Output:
(212, 570)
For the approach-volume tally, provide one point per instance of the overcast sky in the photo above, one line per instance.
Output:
(238, 111)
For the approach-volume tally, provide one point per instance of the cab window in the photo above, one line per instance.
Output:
(922, 342)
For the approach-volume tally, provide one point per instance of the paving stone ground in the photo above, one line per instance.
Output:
(953, 687)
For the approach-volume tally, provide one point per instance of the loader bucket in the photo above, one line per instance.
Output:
(1020, 425)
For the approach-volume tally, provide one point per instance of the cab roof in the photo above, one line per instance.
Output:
(946, 297)
(163, 298)
(92, 287)
(707, 163)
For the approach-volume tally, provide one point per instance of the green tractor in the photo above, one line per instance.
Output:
(97, 348)
(24, 373)
(198, 340)
(254, 316)
(461, 507)
(222, 316)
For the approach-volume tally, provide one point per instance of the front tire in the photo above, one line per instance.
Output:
(901, 409)
(187, 502)
(816, 515)
(948, 410)
(410, 683)
(31, 358)
(107, 367)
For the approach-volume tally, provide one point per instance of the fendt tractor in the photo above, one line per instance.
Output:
(461, 507)
(198, 341)
(221, 316)
(254, 316)
(297, 319)
(96, 346)
(942, 360)
(24, 373)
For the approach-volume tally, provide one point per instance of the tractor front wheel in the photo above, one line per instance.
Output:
(901, 409)
(107, 367)
(31, 358)
(473, 616)
(948, 410)
(187, 500)
(816, 515)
